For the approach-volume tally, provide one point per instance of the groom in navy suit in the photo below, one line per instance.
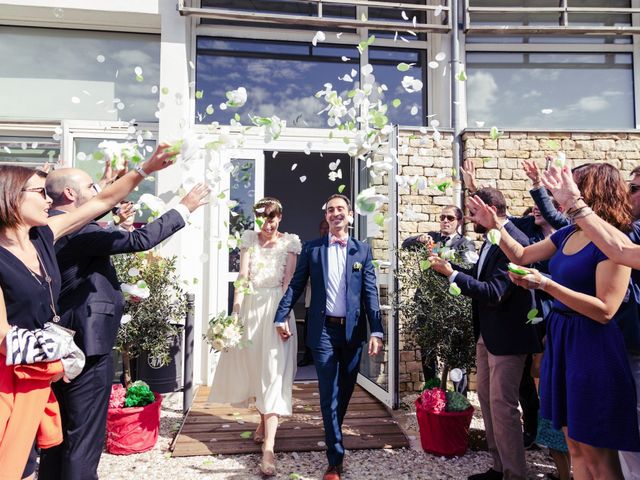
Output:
(343, 296)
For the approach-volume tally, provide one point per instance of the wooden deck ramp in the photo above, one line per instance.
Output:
(211, 428)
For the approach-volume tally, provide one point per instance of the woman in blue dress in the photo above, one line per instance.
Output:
(586, 385)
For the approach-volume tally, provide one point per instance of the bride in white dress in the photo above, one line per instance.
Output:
(265, 368)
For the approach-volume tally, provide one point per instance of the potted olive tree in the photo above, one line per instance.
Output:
(155, 306)
(437, 319)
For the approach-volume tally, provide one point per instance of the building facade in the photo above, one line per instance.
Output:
(550, 76)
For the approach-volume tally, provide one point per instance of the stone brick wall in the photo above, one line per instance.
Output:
(499, 164)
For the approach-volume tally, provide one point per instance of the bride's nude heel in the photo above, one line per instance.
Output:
(268, 463)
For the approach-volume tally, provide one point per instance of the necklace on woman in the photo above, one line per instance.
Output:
(47, 279)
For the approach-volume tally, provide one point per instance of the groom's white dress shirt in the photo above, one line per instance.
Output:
(336, 281)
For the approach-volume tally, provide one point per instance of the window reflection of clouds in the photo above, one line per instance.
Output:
(23, 56)
(508, 94)
(285, 83)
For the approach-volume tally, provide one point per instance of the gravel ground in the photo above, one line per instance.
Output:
(401, 464)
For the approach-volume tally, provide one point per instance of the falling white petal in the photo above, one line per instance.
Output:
(318, 37)
(303, 178)
(440, 56)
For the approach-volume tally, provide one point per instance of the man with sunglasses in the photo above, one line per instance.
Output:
(91, 304)
(449, 236)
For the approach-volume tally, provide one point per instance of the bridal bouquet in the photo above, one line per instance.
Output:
(224, 332)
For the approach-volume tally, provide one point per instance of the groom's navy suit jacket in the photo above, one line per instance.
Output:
(362, 292)
(499, 307)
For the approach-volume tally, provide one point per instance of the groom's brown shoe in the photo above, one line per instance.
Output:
(333, 472)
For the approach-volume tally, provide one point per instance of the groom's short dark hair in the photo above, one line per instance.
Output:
(343, 197)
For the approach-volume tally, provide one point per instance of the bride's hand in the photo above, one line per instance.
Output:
(283, 331)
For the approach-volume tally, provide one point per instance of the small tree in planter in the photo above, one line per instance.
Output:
(435, 317)
(154, 303)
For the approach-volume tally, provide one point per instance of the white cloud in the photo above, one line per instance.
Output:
(592, 104)
(481, 92)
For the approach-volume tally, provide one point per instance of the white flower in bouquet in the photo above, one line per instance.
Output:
(218, 344)
(217, 329)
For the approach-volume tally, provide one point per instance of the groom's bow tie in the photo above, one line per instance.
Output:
(340, 241)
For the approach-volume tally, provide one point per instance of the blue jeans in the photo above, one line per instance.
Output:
(337, 365)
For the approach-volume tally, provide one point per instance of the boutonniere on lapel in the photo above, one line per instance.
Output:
(357, 266)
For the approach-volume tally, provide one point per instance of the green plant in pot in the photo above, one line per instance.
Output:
(154, 304)
(434, 316)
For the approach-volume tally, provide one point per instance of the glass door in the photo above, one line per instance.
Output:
(245, 186)
(379, 375)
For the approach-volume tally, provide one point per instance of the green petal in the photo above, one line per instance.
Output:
(378, 218)
(494, 236)
(199, 94)
(341, 188)
(164, 90)
(454, 290)
(403, 67)
(461, 76)
(533, 313)
(245, 435)
(425, 265)
(494, 133)
(396, 102)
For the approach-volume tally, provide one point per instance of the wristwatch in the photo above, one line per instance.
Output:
(141, 171)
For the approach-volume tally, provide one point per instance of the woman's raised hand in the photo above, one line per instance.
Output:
(532, 171)
(481, 213)
(561, 185)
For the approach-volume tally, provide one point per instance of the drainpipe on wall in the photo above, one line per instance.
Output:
(456, 146)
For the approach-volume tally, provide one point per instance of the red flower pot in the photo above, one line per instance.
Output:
(134, 429)
(445, 434)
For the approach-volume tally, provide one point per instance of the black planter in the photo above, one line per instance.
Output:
(163, 378)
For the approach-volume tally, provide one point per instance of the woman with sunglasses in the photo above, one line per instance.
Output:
(584, 347)
(29, 275)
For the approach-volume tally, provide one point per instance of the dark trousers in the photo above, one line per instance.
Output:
(337, 365)
(529, 401)
(83, 405)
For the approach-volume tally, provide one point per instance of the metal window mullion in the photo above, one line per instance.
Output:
(549, 48)
(635, 44)
(565, 14)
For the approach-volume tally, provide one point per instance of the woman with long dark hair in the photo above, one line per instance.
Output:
(29, 277)
(586, 385)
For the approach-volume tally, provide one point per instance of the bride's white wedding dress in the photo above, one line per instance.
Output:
(265, 368)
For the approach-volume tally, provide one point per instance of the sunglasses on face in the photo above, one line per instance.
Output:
(633, 188)
(450, 218)
(41, 190)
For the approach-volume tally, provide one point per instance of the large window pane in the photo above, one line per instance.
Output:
(73, 74)
(29, 151)
(280, 78)
(550, 90)
(385, 62)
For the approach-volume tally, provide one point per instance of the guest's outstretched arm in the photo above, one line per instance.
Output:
(612, 242)
(486, 216)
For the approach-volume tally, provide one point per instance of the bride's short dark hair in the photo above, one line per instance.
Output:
(267, 207)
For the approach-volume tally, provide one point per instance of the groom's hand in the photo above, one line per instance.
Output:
(283, 331)
(375, 346)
